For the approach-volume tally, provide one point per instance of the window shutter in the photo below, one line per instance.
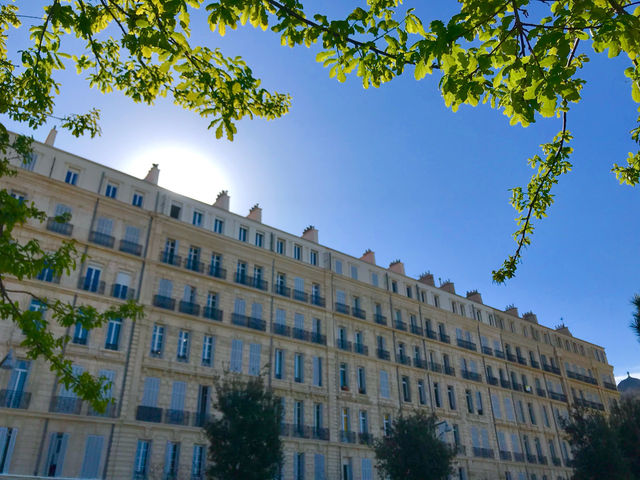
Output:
(367, 469)
(165, 287)
(92, 456)
(61, 454)
(239, 306)
(62, 209)
(298, 284)
(110, 375)
(280, 316)
(150, 394)
(341, 297)
(131, 234)
(105, 225)
(256, 310)
(236, 355)
(295, 466)
(177, 396)
(316, 371)
(298, 321)
(67, 392)
(475, 437)
(254, 359)
(485, 438)
(319, 467)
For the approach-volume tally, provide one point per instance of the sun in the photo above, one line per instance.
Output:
(184, 170)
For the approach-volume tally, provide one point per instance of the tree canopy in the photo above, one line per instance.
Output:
(411, 449)
(523, 57)
(244, 433)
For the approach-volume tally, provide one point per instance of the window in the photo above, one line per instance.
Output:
(138, 199)
(92, 456)
(280, 246)
(384, 384)
(55, 456)
(298, 413)
(297, 252)
(197, 462)
(242, 234)
(394, 286)
(406, 393)
(7, 442)
(436, 394)
(298, 368)
(157, 340)
(31, 163)
(236, 356)
(318, 467)
(409, 292)
(218, 226)
(255, 350)
(21, 197)
(112, 340)
(318, 416)
(344, 378)
(452, 397)
(469, 397)
(545, 417)
(208, 346)
(172, 461)
(436, 301)
(317, 371)
(111, 191)
(532, 414)
(91, 280)
(313, 257)
(197, 218)
(479, 406)
(374, 279)
(354, 272)
(362, 380)
(259, 239)
(364, 422)
(422, 397)
(150, 392)
(80, 334)
(298, 466)
(141, 462)
(71, 177)
(338, 265)
(183, 346)
(175, 211)
(386, 424)
(278, 368)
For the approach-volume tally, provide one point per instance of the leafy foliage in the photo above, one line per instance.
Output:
(412, 451)
(244, 435)
(635, 322)
(605, 447)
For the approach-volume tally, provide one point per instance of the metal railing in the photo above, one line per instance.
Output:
(431, 334)
(347, 436)
(149, 414)
(217, 271)
(123, 292)
(342, 308)
(379, 319)
(194, 264)
(15, 399)
(343, 344)
(300, 295)
(249, 322)
(103, 239)
(167, 303)
(487, 350)
(46, 275)
(190, 308)
(282, 290)
(403, 359)
(65, 404)
(358, 313)
(87, 284)
(212, 313)
(132, 248)
(176, 417)
(417, 329)
(469, 375)
(466, 344)
(444, 338)
(383, 354)
(401, 325)
(482, 452)
(317, 300)
(170, 258)
(59, 227)
(255, 282)
(361, 348)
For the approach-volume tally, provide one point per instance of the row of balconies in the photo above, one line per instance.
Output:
(299, 334)
(98, 238)
(582, 378)
(304, 431)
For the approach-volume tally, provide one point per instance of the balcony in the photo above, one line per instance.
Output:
(557, 396)
(542, 460)
(343, 344)
(582, 378)
(170, 258)
(249, 322)
(132, 248)
(361, 348)
(505, 455)
(320, 433)
(487, 350)
(15, 399)
(212, 313)
(167, 303)
(379, 319)
(482, 452)
(342, 308)
(476, 377)
(59, 227)
(318, 338)
(359, 313)
(403, 359)
(417, 329)
(550, 368)
(65, 404)
(301, 334)
(420, 363)
(217, 271)
(383, 354)
(517, 387)
(200, 419)
(521, 360)
(317, 300)
(365, 438)
(300, 296)
(431, 334)
(505, 383)
(466, 344)
(123, 292)
(194, 264)
(556, 461)
(445, 338)
(518, 456)
(459, 449)
(492, 380)
(436, 367)
(114, 346)
(531, 458)
(610, 386)
(400, 325)
(300, 431)
(176, 417)
(90, 284)
(280, 329)
(347, 437)
(46, 275)
(282, 290)
(255, 282)
(541, 392)
(448, 370)
(511, 357)
(101, 239)
(534, 363)
(189, 308)
(149, 414)
(110, 411)
(499, 354)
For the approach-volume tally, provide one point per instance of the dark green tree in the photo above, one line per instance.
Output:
(411, 449)
(605, 447)
(635, 321)
(244, 433)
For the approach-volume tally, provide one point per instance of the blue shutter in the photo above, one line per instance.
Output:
(256, 310)
(280, 316)
(319, 467)
(298, 321)
(177, 396)
(110, 375)
(317, 371)
(131, 234)
(239, 306)
(341, 297)
(367, 469)
(76, 370)
(92, 456)
(236, 355)
(105, 225)
(165, 287)
(254, 359)
(485, 438)
(475, 437)
(298, 284)
(150, 393)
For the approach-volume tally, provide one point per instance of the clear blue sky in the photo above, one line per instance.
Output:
(393, 170)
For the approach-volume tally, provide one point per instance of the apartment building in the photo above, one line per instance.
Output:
(346, 343)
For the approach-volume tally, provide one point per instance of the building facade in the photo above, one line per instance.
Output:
(347, 344)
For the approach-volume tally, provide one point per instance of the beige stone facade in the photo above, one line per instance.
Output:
(346, 343)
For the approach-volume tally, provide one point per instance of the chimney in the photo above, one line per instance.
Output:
(563, 329)
(474, 296)
(512, 310)
(255, 213)
(153, 175)
(310, 233)
(448, 286)
(369, 256)
(51, 138)
(427, 279)
(222, 200)
(397, 266)
(530, 317)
